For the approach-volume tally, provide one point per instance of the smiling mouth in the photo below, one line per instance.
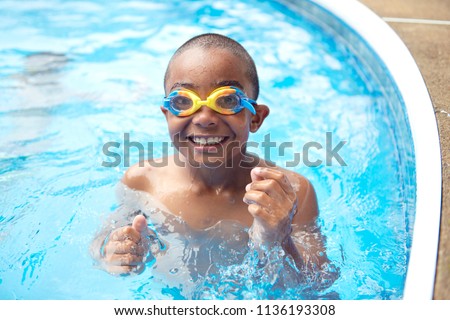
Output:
(207, 141)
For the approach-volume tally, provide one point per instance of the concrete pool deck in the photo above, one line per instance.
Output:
(424, 27)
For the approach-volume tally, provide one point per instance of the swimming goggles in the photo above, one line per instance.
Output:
(224, 100)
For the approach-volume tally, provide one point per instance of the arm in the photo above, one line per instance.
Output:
(122, 246)
(276, 206)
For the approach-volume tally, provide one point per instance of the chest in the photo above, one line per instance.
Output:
(201, 211)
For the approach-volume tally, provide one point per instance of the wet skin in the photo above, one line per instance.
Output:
(206, 184)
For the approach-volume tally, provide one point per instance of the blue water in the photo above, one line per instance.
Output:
(76, 75)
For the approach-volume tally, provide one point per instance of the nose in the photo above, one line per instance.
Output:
(205, 117)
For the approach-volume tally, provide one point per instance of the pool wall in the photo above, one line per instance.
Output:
(400, 64)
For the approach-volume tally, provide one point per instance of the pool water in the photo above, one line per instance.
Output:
(77, 75)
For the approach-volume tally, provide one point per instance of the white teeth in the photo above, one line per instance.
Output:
(209, 140)
(212, 140)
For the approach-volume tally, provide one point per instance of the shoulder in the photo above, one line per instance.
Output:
(140, 175)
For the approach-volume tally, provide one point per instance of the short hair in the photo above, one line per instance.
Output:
(214, 40)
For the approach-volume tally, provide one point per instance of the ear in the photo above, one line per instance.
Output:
(164, 111)
(262, 111)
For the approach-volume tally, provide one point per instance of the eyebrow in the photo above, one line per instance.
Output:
(233, 83)
(186, 85)
(192, 86)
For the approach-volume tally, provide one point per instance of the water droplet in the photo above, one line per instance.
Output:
(173, 270)
(162, 245)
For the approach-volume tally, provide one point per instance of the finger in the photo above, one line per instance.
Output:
(123, 247)
(270, 187)
(126, 233)
(124, 270)
(255, 174)
(257, 197)
(140, 224)
(126, 259)
(260, 173)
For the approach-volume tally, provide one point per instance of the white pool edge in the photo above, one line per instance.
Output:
(392, 51)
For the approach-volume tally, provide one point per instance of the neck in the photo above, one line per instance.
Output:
(220, 177)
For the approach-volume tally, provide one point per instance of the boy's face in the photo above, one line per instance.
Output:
(203, 71)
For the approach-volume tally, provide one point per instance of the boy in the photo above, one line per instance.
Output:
(211, 87)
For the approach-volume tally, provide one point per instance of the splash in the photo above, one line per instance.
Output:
(222, 262)
(266, 273)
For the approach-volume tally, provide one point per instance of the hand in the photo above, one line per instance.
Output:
(272, 202)
(126, 248)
